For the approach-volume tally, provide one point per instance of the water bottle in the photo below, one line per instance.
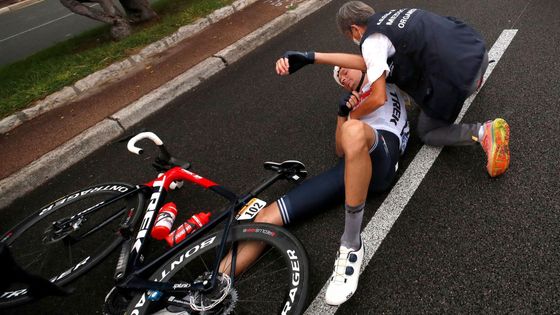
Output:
(164, 221)
(192, 224)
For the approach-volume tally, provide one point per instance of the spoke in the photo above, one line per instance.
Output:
(43, 261)
(24, 246)
(229, 257)
(261, 257)
(253, 277)
(204, 263)
(104, 222)
(28, 253)
(37, 259)
(265, 268)
(32, 252)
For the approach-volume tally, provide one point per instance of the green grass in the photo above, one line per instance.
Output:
(48, 71)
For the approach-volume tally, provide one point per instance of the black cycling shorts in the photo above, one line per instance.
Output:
(326, 189)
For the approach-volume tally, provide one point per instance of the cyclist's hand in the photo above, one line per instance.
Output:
(292, 61)
(347, 102)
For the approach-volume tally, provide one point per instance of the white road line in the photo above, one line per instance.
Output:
(39, 26)
(381, 223)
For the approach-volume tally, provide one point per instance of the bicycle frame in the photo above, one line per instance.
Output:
(132, 272)
(129, 274)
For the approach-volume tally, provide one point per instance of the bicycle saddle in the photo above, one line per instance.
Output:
(291, 169)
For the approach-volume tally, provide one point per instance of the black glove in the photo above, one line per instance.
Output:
(344, 110)
(299, 59)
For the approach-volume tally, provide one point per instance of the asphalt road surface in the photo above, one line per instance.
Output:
(37, 27)
(463, 243)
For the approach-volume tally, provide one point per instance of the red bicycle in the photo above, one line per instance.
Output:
(67, 237)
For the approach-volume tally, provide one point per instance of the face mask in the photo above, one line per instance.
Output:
(356, 41)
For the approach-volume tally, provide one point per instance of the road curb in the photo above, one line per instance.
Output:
(61, 158)
(52, 163)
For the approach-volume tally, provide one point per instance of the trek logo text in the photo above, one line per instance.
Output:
(154, 199)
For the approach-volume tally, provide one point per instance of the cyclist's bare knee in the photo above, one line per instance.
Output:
(356, 137)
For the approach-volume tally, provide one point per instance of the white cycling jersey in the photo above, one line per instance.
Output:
(391, 116)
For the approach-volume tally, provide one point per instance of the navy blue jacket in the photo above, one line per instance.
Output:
(436, 58)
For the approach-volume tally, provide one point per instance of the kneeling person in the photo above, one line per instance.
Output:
(369, 148)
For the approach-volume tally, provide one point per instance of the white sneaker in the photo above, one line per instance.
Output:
(344, 280)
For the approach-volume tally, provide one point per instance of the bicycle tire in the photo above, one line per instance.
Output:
(192, 260)
(38, 252)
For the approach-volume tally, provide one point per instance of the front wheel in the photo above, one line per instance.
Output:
(277, 282)
(63, 240)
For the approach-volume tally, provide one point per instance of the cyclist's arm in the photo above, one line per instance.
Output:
(376, 99)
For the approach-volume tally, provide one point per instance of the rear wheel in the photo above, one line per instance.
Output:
(276, 282)
(59, 242)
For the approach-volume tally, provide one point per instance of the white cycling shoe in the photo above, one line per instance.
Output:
(344, 280)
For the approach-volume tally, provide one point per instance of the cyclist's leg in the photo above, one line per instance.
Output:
(270, 214)
(313, 196)
(248, 252)
(383, 156)
(357, 138)
(304, 200)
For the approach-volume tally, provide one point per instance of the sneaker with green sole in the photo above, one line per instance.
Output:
(495, 143)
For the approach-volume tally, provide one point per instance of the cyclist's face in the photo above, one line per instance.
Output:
(350, 78)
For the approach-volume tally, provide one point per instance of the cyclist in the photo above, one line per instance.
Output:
(370, 147)
(439, 61)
